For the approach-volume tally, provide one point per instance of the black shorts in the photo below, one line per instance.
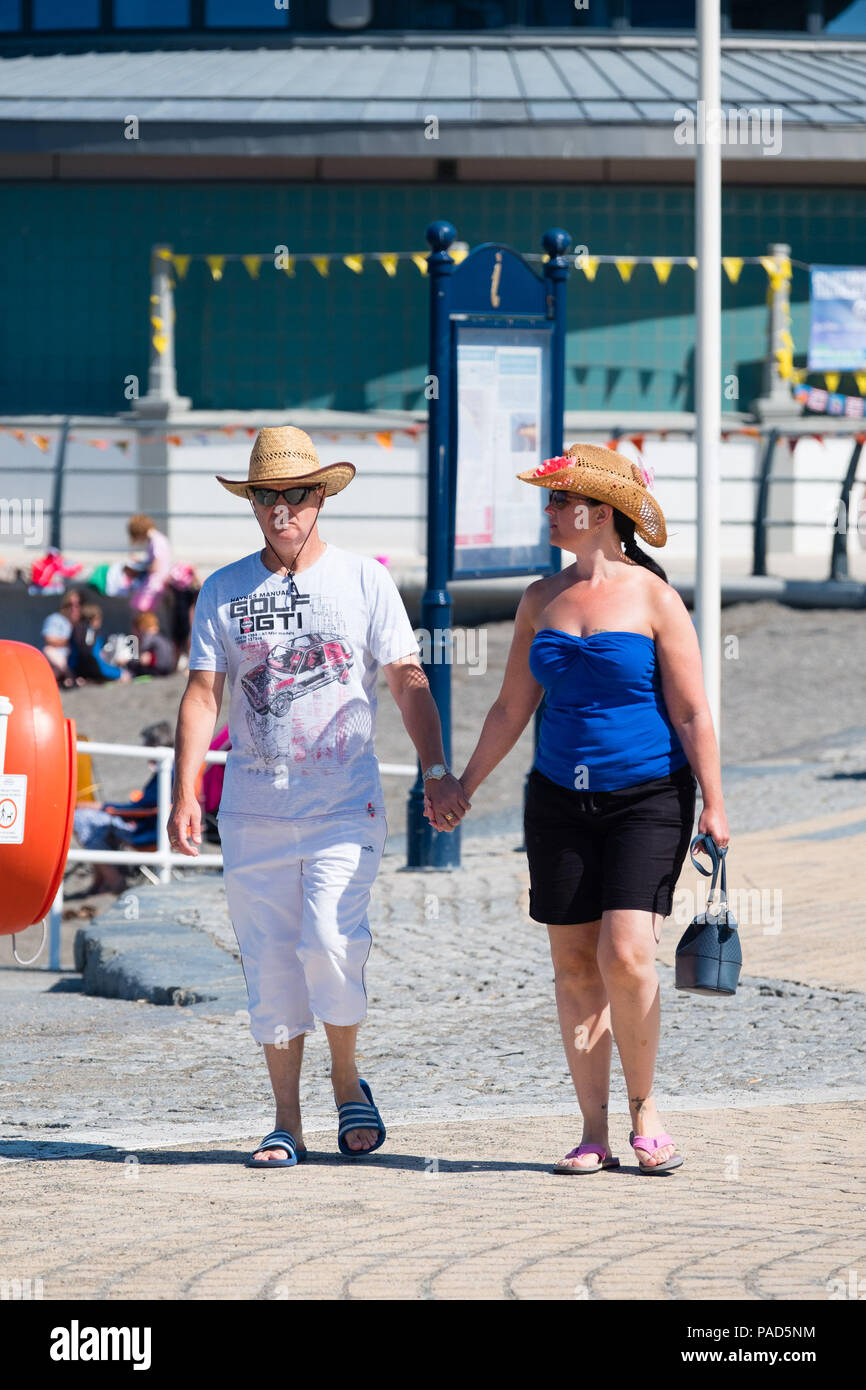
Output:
(592, 852)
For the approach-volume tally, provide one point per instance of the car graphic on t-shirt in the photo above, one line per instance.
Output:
(293, 668)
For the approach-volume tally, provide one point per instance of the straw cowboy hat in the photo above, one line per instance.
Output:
(600, 473)
(283, 455)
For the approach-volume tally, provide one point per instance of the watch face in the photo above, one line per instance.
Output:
(434, 772)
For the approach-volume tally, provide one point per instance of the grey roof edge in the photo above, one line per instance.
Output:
(541, 38)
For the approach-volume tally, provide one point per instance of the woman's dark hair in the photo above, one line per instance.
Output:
(624, 527)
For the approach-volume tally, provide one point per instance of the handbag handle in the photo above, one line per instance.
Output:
(717, 855)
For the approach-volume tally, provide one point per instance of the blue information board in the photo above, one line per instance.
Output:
(501, 423)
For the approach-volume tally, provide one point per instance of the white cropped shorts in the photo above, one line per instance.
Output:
(297, 895)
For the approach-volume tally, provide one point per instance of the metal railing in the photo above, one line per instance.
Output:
(764, 480)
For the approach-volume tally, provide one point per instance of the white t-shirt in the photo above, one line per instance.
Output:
(301, 674)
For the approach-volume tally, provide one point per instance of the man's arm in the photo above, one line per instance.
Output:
(411, 690)
(196, 721)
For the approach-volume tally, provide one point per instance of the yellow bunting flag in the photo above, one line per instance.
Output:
(160, 342)
(589, 266)
(785, 268)
(355, 263)
(625, 268)
(693, 262)
(322, 264)
(860, 378)
(216, 264)
(785, 337)
(289, 266)
(386, 439)
(41, 441)
(253, 265)
(458, 254)
(775, 273)
(164, 254)
(733, 266)
(156, 321)
(181, 265)
(831, 380)
(799, 375)
(662, 269)
(389, 262)
(420, 261)
(785, 359)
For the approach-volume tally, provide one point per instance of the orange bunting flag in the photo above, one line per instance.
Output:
(174, 439)
(41, 441)
(100, 443)
(386, 439)
(637, 441)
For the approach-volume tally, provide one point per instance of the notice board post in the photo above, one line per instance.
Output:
(496, 396)
(427, 848)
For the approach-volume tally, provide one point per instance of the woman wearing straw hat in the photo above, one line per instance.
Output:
(302, 629)
(626, 732)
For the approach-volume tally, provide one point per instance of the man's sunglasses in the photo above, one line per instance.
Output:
(267, 496)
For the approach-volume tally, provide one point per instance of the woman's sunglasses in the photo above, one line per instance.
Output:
(565, 499)
(267, 496)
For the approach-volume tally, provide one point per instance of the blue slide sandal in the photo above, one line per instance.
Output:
(278, 1139)
(353, 1114)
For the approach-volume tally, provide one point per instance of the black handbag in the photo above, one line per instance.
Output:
(709, 957)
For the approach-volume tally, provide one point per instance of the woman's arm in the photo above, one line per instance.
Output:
(515, 704)
(682, 678)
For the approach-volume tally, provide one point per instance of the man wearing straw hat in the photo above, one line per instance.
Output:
(301, 628)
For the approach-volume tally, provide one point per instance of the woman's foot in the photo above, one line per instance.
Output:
(646, 1123)
(293, 1125)
(357, 1139)
(586, 1160)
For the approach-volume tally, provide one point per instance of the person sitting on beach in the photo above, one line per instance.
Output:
(56, 636)
(155, 651)
(86, 656)
(101, 825)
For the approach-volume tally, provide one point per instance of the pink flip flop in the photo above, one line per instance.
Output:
(638, 1141)
(604, 1161)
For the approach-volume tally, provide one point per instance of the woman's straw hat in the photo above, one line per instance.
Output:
(602, 475)
(283, 455)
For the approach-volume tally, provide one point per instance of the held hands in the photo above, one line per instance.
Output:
(445, 802)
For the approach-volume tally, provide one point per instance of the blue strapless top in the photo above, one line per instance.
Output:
(605, 724)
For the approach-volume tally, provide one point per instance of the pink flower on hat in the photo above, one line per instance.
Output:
(553, 466)
(648, 475)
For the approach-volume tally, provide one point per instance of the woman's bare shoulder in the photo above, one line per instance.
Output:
(538, 594)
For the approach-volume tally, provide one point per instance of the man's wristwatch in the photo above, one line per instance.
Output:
(435, 773)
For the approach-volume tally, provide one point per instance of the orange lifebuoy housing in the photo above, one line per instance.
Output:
(40, 744)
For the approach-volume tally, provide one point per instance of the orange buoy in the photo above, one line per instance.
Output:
(38, 779)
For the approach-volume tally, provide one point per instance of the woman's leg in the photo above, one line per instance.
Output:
(584, 1020)
(627, 947)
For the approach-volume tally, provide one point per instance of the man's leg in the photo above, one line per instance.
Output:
(340, 863)
(344, 1079)
(262, 876)
(284, 1066)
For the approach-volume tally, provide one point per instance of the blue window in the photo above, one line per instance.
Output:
(10, 14)
(246, 14)
(66, 14)
(151, 14)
